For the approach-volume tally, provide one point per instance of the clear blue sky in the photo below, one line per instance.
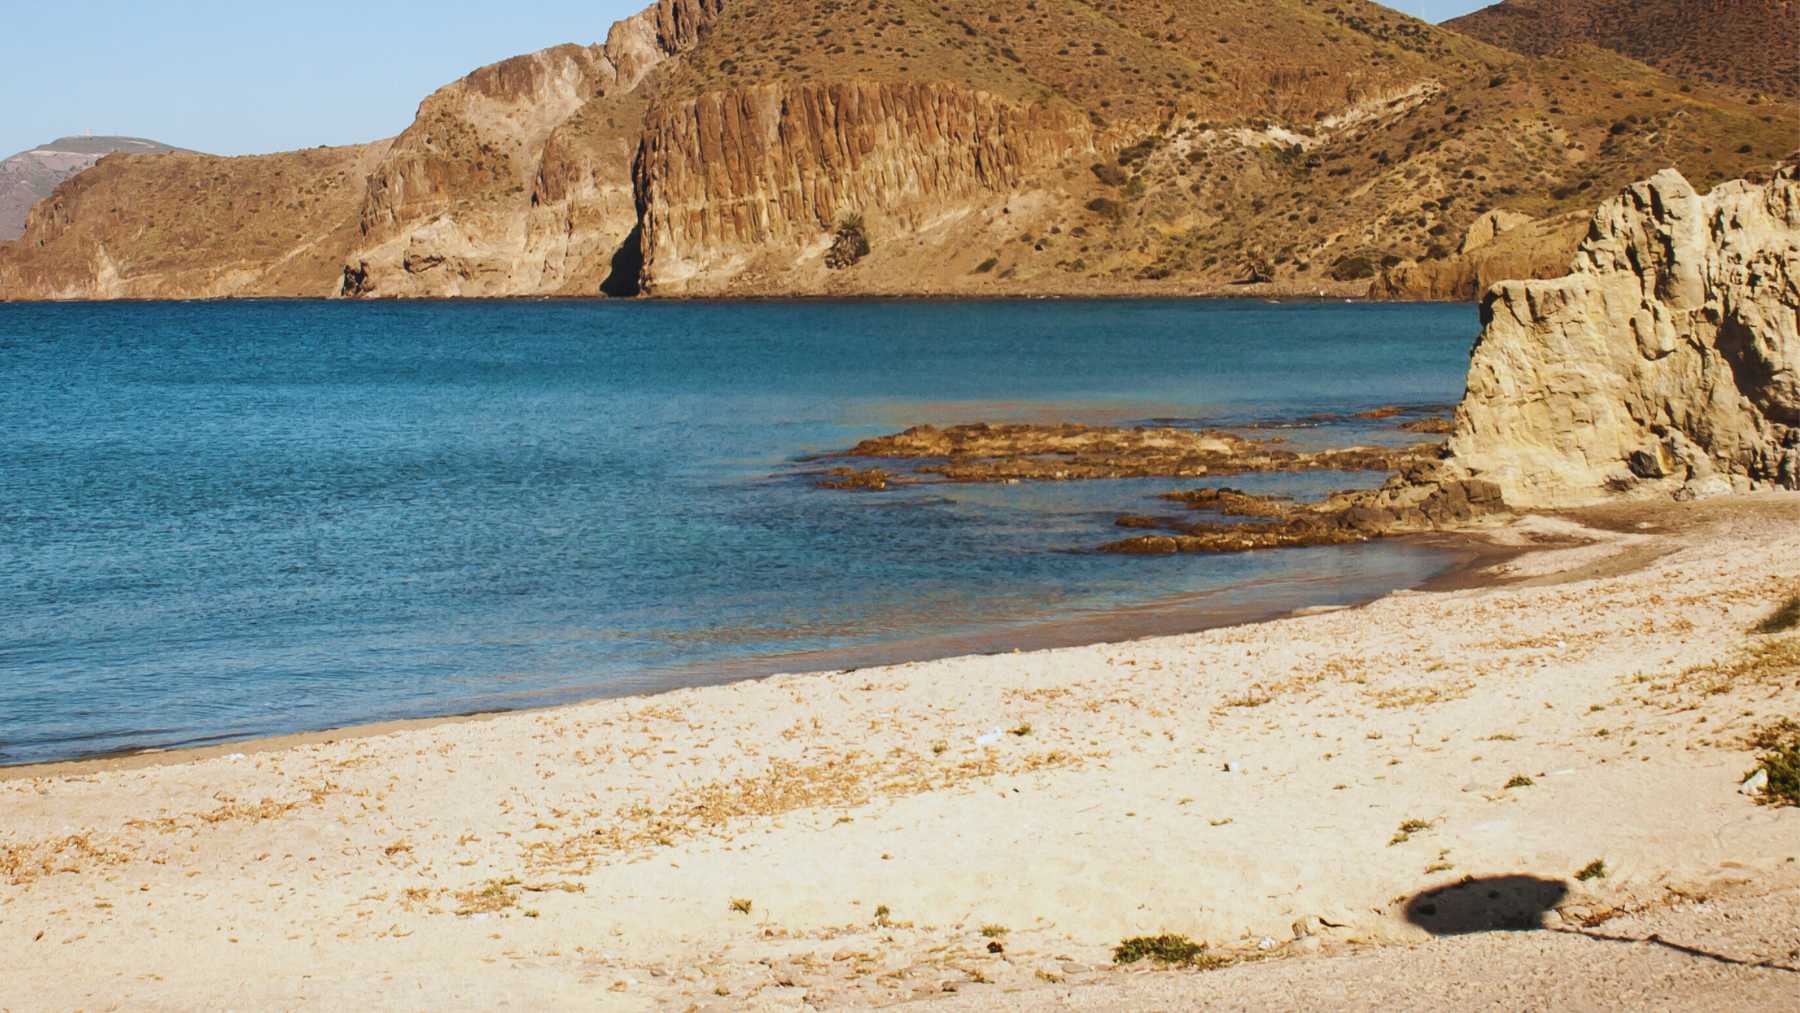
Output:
(242, 76)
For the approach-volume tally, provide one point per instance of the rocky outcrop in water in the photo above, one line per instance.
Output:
(984, 452)
(1667, 362)
(1422, 496)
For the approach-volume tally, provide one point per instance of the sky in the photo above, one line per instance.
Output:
(244, 77)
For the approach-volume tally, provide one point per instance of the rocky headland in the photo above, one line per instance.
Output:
(1664, 364)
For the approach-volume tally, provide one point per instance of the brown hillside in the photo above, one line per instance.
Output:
(1004, 146)
(30, 176)
(193, 226)
(1312, 144)
(1752, 44)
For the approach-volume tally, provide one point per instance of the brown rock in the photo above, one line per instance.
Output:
(727, 175)
(1498, 247)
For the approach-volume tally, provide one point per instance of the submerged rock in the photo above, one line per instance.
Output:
(865, 480)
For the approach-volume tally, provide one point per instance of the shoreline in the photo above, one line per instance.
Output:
(1277, 298)
(995, 826)
(1174, 616)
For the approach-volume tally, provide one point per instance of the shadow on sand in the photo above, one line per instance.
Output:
(1492, 904)
(1519, 904)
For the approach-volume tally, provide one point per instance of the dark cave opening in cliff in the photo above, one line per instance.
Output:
(625, 281)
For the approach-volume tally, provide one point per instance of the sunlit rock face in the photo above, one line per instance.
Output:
(1666, 362)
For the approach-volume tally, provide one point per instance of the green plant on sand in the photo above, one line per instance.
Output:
(1595, 869)
(1169, 949)
(1779, 763)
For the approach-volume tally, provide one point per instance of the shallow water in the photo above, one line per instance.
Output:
(232, 519)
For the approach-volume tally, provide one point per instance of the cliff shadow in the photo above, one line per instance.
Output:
(626, 279)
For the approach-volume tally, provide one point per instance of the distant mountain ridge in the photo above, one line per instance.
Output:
(30, 176)
(1752, 44)
(977, 147)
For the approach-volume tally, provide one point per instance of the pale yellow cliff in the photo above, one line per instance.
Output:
(1666, 362)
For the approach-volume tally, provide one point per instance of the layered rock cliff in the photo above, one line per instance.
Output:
(734, 180)
(1667, 362)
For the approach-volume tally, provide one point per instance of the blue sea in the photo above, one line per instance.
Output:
(224, 520)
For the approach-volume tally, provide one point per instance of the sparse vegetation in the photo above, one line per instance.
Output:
(850, 243)
(741, 905)
(1779, 762)
(1353, 268)
(993, 931)
(1764, 662)
(1250, 699)
(1519, 781)
(1167, 949)
(496, 895)
(1407, 829)
(1774, 735)
(1106, 207)
(1595, 869)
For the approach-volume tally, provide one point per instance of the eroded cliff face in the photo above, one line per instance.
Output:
(742, 182)
(517, 179)
(1667, 362)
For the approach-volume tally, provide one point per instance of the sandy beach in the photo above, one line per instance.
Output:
(981, 832)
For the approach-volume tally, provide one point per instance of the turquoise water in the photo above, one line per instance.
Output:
(221, 520)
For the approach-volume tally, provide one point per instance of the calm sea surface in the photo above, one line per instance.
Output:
(225, 520)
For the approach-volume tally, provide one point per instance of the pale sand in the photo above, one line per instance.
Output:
(612, 838)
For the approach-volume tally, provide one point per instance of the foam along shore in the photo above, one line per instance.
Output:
(989, 826)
